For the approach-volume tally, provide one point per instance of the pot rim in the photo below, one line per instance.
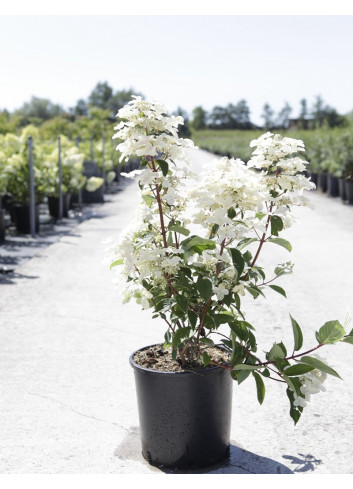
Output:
(168, 372)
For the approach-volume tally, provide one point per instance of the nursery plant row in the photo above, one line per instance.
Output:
(65, 174)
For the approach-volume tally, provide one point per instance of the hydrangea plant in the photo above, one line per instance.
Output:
(186, 255)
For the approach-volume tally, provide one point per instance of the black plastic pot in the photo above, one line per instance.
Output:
(349, 191)
(21, 213)
(332, 186)
(313, 177)
(342, 188)
(95, 197)
(53, 204)
(185, 417)
(2, 224)
(322, 181)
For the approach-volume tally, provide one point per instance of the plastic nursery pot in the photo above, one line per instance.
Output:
(313, 177)
(2, 224)
(21, 217)
(322, 181)
(332, 186)
(349, 191)
(342, 188)
(185, 417)
(53, 204)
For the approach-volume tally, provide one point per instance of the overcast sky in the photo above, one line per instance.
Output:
(180, 60)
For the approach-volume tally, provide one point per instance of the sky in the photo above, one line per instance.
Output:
(180, 60)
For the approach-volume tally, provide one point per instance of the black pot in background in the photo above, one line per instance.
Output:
(2, 224)
(342, 189)
(313, 177)
(332, 186)
(349, 191)
(21, 213)
(53, 204)
(95, 197)
(185, 417)
(322, 181)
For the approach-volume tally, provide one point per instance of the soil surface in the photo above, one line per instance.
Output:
(158, 358)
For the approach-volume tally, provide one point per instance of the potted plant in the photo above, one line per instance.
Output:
(18, 181)
(190, 256)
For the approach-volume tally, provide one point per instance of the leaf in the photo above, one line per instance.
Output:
(206, 359)
(240, 330)
(179, 335)
(294, 384)
(179, 229)
(243, 375)
(348, 339)
(276, 352)
(163, 165)
(278, 289)
(222, 318)
(276, 225)
(116, 262)
(204, 287)
(281, 242)
(238, 260)
(231, 213)
(148, 199)
(192, 318)
(295, 412)
(298, 369)
(245, 242)
(314, 362)
(330, 332)
(245, 366)
(298, 335)
(260, 387)
(207, 341)
(182, 302)
(196, 244)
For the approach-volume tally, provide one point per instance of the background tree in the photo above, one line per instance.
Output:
(267, 116)
(38, 110)
(303, 114)
(199, 118)
(283, 116)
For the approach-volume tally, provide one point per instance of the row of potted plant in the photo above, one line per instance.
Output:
(15, 178)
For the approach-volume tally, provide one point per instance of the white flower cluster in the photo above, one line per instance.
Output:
(312, 383)
(147, 131)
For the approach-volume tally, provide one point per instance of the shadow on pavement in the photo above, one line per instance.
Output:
(240, 462)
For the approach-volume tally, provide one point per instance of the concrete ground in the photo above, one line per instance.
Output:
(68, 401)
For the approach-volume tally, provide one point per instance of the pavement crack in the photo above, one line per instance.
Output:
(77, 412)
(241, 467)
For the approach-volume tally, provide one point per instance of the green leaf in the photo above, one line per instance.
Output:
(295, 412)
(116, 262)
(245, 366)
(192, 318)
(245, 242)
(294, 384)
(148, 199)
(163, 166)
(238, 260)
(330, 332)
(179, 335)
(314, 362)
(348, 339)
(240, 330)
(179, 229)
(242, 375)
(276, 225)
(298, 369)
(231, 213)
(276, 352)
(278, 289)
(182, 302)
(298, 335)
(204, 287)
(281, 242)
(207, 341)
(260, 387)
(222, 318)
(206, 359)
(196, 244)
